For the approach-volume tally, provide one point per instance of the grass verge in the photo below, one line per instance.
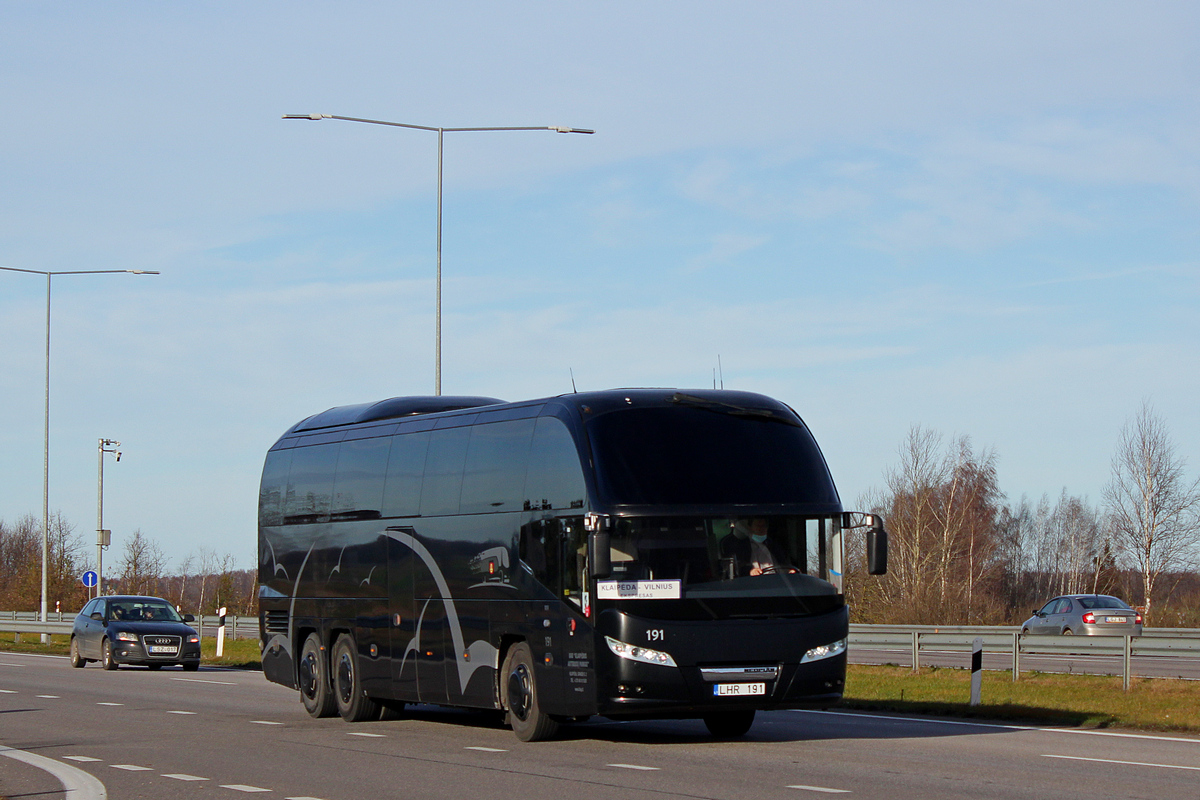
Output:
(1086, 701)
(238, 653)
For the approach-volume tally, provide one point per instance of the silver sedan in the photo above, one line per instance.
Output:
(1084, 615)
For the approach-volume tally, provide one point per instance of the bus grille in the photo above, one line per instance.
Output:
(277, 622)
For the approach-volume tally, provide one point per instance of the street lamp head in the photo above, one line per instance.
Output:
(143, 272)
(565, 129)
(307, 116)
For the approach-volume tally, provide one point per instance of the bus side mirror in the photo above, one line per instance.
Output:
(600, 554)
(877, 547)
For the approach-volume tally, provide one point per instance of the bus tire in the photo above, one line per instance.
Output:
(521, 698)
(316, 692)
(729, 724)
(352, 702)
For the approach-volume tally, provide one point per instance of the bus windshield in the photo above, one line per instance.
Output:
(708, 455)
(730, 557)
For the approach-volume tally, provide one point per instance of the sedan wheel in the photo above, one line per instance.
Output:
(77, 659)
(106, 655)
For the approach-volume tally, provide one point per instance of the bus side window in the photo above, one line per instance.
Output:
(271, 491)
(310, 484)
(444, 464)
(406, 465)
(555, 477)
(358, 488)
(494, 477)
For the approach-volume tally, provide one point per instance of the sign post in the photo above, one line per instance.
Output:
(221, 631)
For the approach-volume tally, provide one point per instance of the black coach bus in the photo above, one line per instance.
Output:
(644, 553)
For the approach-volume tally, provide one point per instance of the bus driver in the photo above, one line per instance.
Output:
(753, 553)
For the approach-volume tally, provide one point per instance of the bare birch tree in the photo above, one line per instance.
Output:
(142, 565)
(1153, 511)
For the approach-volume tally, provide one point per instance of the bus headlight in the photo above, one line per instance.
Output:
(643, 654)
(825, 651)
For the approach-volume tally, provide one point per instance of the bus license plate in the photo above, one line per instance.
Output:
(739, 689)
(160, 648)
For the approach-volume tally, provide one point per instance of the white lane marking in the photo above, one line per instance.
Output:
(130, 767)
(264, 722)
(110, 704)
(898, 718)
(188, 713)
(49, 696)
(302, 798)
(84, 759)
(369, 735)
(241, 787)
(822, 789)
(1114, 761)
(6, 664)
(486, 749)
(634, 766)
(7, 691)
(198, 680)
(78, 785)
(180, 776)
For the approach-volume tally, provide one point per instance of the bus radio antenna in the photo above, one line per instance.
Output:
(573, 389)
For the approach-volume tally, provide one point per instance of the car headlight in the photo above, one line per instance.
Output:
(643, 654)
(825, 651)
(126, 636)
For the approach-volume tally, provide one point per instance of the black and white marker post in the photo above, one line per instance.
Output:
(221, 632)
(976, 669)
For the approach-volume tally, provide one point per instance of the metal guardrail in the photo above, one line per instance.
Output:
(23, 622)
(1183, 642)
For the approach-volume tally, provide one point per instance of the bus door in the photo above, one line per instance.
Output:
(434, 651)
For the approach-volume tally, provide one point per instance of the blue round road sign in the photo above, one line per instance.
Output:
(89, 578)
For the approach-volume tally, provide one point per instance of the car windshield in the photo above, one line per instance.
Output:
(142, 611)
(1102, 601)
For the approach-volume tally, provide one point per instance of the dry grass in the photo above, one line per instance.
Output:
(1042, 698)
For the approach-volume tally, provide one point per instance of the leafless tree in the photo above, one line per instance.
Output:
(1153, 510)
(142, 565)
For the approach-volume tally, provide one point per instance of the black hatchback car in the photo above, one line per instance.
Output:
(126, 629)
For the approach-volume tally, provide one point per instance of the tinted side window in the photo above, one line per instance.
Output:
(310, 484)
(358, 490)
(555, 475)
(406, 466)
(443, 471)
(494, 476)
(271, 491)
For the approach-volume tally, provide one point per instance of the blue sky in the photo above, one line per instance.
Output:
(979, 218)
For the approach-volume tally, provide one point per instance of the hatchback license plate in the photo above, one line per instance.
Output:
(739, 689)
(161, 648)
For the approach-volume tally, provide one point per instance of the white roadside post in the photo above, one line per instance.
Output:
(221, 631)
(976, 669)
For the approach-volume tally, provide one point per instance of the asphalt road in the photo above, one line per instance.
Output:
(225, 734)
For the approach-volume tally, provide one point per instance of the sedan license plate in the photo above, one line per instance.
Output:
(162, 648)
(1118, 619)
(739, 689)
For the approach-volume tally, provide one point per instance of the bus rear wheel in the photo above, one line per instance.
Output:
(729, 724)
(316, 692)
(521, 698)
(352, 702)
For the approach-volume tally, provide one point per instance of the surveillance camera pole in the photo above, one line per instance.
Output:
(102, 536)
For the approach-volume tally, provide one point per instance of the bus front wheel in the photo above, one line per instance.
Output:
(525, 714)
(729, 724)
(352, 702)
(316, 691)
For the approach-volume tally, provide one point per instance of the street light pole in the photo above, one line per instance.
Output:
(437, 374)
(46, 428)
(101, 539)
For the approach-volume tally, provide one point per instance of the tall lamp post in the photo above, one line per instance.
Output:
(102, 536)
(46, 430)
(437, 377)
